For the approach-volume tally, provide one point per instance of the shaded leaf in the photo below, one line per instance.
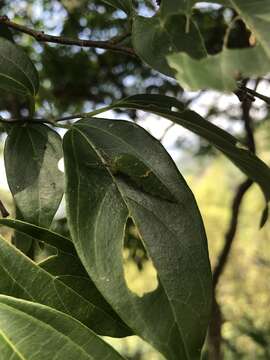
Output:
(27, 327)
(22, 278)
(171, 7)
(174, 110)
(71, 272)
(17, 72)
(154, 39)
(175, 316)
(47, 236)
(63, 264)
(32, 154)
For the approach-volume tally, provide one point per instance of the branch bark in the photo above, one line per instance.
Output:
(40, 36)
(215, 335)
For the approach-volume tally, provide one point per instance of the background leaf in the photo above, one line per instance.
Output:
(101, 195)
(221, 71)
(32, 154)
(153, 40)
(27, 327)
(17, 72)
(256, 15)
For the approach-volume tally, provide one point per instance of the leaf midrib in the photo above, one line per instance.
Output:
(12, 346)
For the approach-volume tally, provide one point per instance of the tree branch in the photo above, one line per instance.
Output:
(243, 93)
(3, 210)
(40, 36)
(239, 195)
(230, 234)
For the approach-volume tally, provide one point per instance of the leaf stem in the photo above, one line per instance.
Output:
(83, 115)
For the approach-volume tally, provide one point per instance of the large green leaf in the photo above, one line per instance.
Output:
(174, 110)
(220, 71)
(17, 72)
(22, 278)
(125, 5)
(30, 331)
(32, 154)
(154, 39)
(116, 170)
(41, 234)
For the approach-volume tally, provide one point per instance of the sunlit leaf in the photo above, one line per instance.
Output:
(31, 331)
(22, 278)
(256, 15)
(220, 71)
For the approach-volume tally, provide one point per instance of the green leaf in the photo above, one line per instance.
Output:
(101, 195)
(17, 72)
(32, 153)
(44, 235)
(63, 264)
(174, 110)
(256, 15)
(22, 278)
(221, 71)
(171, 7)
(26, 328)
(125, 5)
(71, 272)
(154, 39)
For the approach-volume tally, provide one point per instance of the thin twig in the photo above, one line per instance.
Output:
(230, 234)
(3, 210)
(40, 36)
(258, 95)
(168, 128)
(12, 121)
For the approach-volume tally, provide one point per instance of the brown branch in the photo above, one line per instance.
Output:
(258, 95)
(3, 210)
(215, 335)
(230, 234)
(239, 195)
(40, 36)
